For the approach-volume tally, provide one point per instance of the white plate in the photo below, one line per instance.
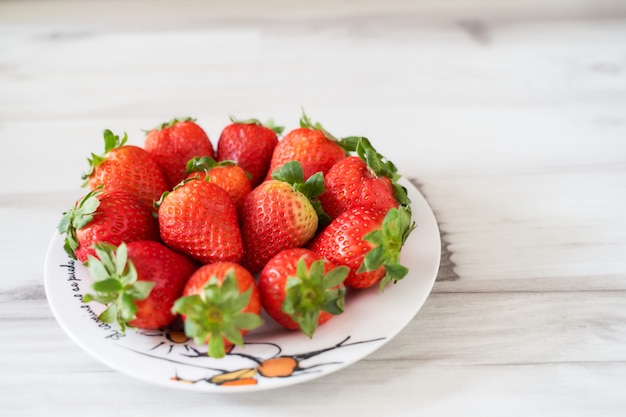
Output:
(167, 358)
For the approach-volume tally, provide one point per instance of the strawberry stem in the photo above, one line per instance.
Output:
(217, 313)
(76, 218)
(116, 284)
(306, 122)
(111, 141)
(388, 241)
(269, 124)
(293, 174)
(311, 291)
(382, 167)
(174, 121)
(348, 144)
(205, 164)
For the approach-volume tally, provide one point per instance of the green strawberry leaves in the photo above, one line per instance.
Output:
(293, 174)
(76, 218)
(382, 167)
(168, 124)
(116, 284)
(388, 242)
(376, 161)
(205, 163)
(348, 144)
(269, 124)
(217, 314)
(306, 122)
(379, 165)
(111, 141)
(312, 291)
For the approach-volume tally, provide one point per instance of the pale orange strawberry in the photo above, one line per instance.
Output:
(228, 175)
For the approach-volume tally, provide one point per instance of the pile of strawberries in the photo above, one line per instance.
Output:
(215, 235)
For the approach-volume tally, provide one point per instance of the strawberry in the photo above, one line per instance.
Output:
(138, 282)
(125, 167)
(301, 290)
(220, 304)
(250, 144)
(226, 174)
(106, 216)
(368, 242)
(367, 180)
(311, 145)
(199, 219)
(174, 143)
(280, 214)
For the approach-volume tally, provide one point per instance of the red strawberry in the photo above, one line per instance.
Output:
(174, 143)
(125, 167)
(280, 214)
(367, 180)
(138, 282)
(250, 144)
(226, 174)
(311, 145)
(369, 242)
(110, 216)
(220, 304)
(198, 218)
(300, 290)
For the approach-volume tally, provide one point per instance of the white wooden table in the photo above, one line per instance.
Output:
(514, 130)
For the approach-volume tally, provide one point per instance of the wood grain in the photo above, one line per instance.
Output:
(509, 119)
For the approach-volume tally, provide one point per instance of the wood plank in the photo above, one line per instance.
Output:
(547, 232)
(452, 329)
(513, 129)
(176, 14)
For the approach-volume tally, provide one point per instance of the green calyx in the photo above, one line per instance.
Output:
(382, 167)
(306, 122)
(311, 291)
(389, 240)
(348, 144)
(205, 164)
(168, 124)
(76, 218)
(217, 314)
(293, 174)
(377, 163)
(111, 141)
(269, 124)
(157, 203)
(116, 284)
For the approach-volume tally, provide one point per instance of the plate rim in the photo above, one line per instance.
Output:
(428, 218)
